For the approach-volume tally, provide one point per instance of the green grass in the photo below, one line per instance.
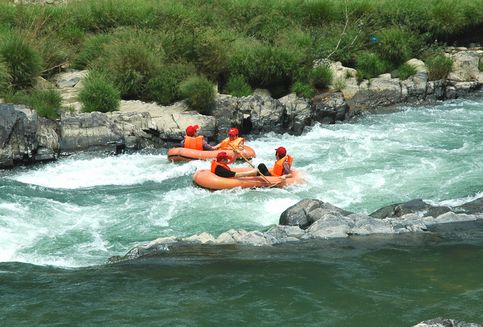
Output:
(98, 93)
(269, 43)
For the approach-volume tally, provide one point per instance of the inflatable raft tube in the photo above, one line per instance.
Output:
(184, 154)
(206, 179)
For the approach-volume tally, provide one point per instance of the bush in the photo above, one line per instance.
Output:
(23, 62)
(5, 78)
(303, 89)
(200, 93)
(164, 88)
(91, 50)
(46, 102)
(439, 67)
(339, 84)
(396, 45)
(238, 86)
(99, 94)
(321, 76)
(480, 65)
(405, 71)
(130, 64)
(211, 54)
(369, 65)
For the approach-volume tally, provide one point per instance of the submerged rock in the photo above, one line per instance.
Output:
(417, 206)
(443, 322)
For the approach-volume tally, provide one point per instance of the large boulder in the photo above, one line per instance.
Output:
(380, 91)
(25, 137)
(299, 113)
(329, 108)
(416, 206)
(92, 131)
(414, 88)
(307, 211)
(465, 66)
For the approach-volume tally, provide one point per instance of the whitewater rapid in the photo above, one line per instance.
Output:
(82, 209)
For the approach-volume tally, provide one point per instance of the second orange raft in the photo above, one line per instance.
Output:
(184, 154)
(206, 179)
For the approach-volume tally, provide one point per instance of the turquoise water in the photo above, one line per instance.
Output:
(59, 222)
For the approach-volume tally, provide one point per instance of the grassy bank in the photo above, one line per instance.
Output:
(147, 48)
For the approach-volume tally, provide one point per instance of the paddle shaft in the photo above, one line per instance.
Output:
(248, 162)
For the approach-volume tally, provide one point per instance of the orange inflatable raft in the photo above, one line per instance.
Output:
(206, 179)
(184, 154)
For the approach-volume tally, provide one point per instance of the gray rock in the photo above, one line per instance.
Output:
(416, 86)
(417, 206)
(380, 91)
(435, 90)
(307, 211)
(465, 66)
(299, 113)
(25, 137)
(329, 108)
(443, 322)
(86, 131)
(475, 206)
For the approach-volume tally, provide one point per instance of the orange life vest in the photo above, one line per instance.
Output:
(225, 144)
(277, 169)
(215, 164)
(195, 143)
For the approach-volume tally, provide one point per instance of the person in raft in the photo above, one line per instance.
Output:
(282, 166)
(232, 140)
(194, 141)
(220, 167)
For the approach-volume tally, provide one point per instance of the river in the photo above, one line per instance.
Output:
(61, 221)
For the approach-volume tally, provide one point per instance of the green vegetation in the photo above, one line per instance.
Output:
(321, 77)
(45, 102)
(439, 66)
(99, 94)
(148, 47)
(23, 62)
(238, 86)
(5, 79)
(369, 65)
(303, 89)
(480, 65)
(405, 71)
(200, 94)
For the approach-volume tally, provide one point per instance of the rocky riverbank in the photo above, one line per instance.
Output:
(312, 219)
(26, 138)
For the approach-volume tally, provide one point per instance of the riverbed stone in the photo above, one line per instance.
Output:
(444, 322)
(465, 66)
(329, 108)
(299, 113)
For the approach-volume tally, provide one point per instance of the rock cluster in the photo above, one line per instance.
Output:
(312, 219)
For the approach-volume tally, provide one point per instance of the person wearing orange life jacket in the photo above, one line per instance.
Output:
(232, 140)
(220, 167)
(282, 166)
(194, 141)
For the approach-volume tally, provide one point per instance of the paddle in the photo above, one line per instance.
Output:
(248, 162)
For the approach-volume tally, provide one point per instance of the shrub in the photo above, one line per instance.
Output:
(164, 88)
(46, 102)
(405, 71)
(396, 45)
(130, 64)
(321, 76)
(303, 89)
(23, 62)
(99, 94)
(238, 86)
(439, 67)
(369, 65)
(339, 84)
(211, 54)
(480, 65)
(200, 93)
(5, 78)
(91, 50)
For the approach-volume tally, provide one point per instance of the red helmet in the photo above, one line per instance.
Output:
(191, 130)
(281, 151)
(233, 131)
(222, 155)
